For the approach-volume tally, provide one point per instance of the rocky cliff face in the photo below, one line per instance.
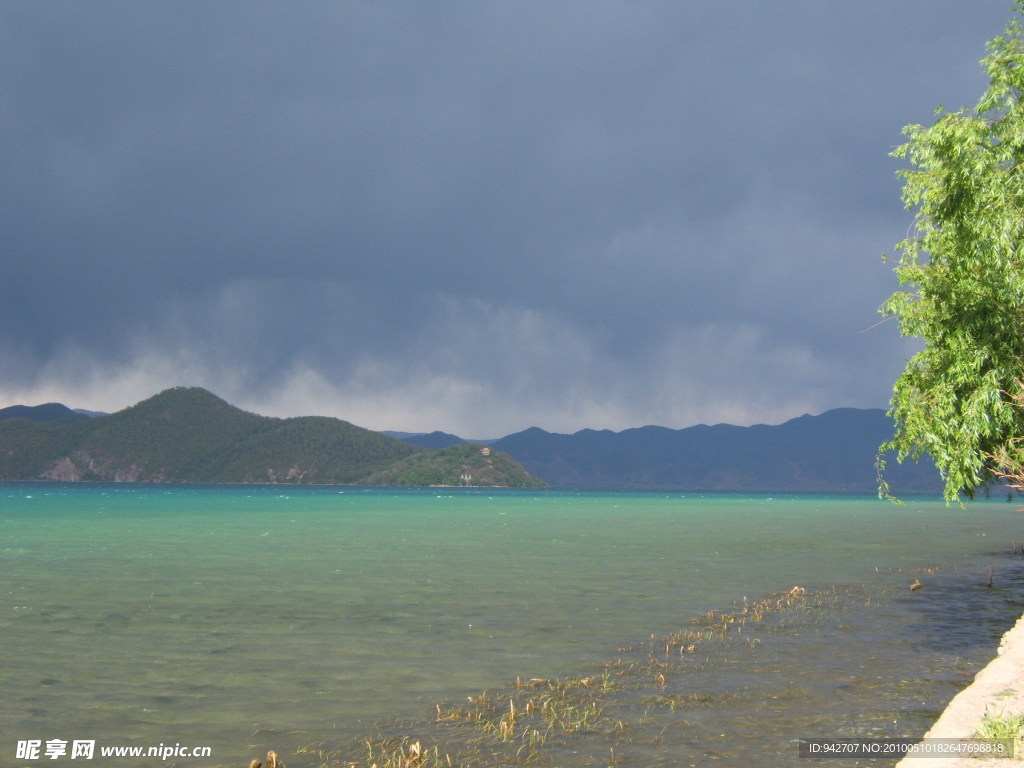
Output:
(80, 466)
(62, 471)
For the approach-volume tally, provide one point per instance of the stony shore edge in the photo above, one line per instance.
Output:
(998, 689)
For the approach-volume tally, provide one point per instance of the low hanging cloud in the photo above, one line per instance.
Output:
(470, 217)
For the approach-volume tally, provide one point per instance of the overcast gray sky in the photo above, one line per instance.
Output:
(467, 216)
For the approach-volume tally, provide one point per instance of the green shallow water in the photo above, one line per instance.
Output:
(248, 618)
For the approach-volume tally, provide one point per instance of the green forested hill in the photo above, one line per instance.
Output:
(191, 435)
(471, 464)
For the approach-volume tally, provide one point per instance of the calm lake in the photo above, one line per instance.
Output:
(314, 620)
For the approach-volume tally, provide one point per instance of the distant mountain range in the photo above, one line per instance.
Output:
(833, 452)
(49, 412)
(431, 440)
(190, 435)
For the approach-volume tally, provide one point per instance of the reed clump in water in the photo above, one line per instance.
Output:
(718, 626)
(695, 700)
(513, 726)
(272, 761)
(388, 752)
(533, 713)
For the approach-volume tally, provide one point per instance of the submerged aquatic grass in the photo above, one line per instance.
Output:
(618, 709)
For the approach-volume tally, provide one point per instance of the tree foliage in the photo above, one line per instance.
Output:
(962, 266)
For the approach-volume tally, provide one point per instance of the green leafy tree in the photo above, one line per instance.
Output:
(959, 398)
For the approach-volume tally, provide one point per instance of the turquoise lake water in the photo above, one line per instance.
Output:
(313, 619)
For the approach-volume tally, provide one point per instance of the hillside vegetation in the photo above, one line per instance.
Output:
(471, 464)
(190, 435)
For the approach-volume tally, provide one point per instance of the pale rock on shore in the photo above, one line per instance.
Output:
(997, 690)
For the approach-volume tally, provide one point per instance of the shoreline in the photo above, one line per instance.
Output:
(997, 689)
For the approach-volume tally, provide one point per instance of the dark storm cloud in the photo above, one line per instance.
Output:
(469, 216)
